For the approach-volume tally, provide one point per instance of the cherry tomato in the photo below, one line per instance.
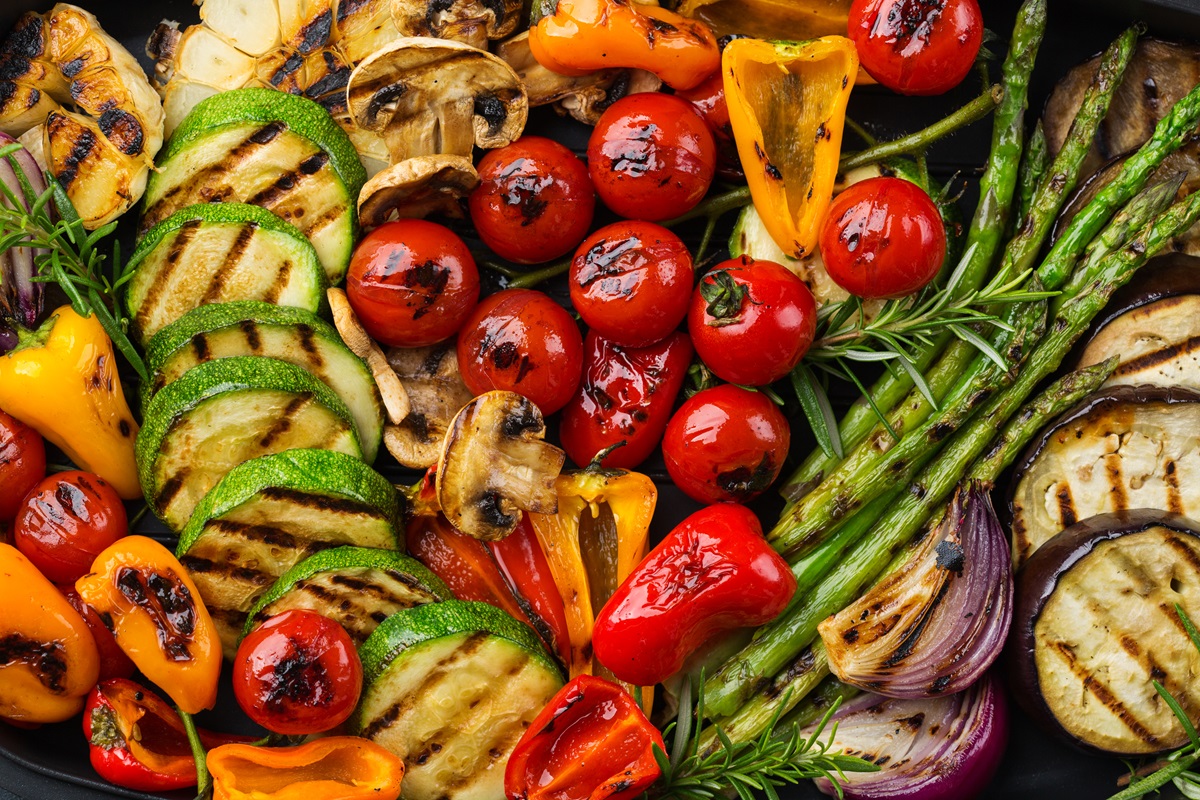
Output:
(412, 283)
(883, 237)
(751, 321)
(521, 341)
(67, 520)
(709, 99)
(113, 661)
(631, 282)
(297, 673)
(22, 463)
(651, 156)
(726, 444)
(917, 47)
(534, 201)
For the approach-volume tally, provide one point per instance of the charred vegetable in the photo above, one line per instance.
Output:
(436, 392)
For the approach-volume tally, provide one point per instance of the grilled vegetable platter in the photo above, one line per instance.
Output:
(480, 399)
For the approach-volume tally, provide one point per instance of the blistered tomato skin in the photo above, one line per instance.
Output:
(883, 237)
(631, 282)
(521, 341)
(534, 201)
(22, 464)
(917, 47)
(751, 321)
(297, 673)
(726, 444)
(66, 521)
(412, 283)
(651, 157)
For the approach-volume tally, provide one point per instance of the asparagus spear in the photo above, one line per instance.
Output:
(1033, 167)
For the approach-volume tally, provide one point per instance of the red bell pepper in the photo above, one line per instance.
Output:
(626, 395)
(136, 740)
(527, 572)
(713, 573)
(591, 742)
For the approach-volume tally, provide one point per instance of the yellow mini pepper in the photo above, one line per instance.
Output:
(344, 767)
(62, 381)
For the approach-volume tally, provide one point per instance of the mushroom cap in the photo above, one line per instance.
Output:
(436, 391)
(494, 464)
(415, 188)
(472, 22)
(436, 96)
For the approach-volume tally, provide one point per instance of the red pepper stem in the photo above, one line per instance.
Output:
(203, 781)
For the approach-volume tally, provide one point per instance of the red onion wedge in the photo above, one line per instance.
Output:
(942, 748)
(935, 625)
(20, 295)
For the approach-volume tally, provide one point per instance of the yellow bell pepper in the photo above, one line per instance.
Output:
(787, 105)
(794, 20)
(62, 381)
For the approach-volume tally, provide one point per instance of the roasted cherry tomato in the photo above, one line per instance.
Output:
(883, 237)
(752, 321)
(651, 156)
(113, 661)
(917, 46)
(521, 341)
(412, 283)
(66, 521)
(709, 99)
(297, 673)
(22, 463)
(631, 282)
(534, 201)
(626, 395)
(726, 444)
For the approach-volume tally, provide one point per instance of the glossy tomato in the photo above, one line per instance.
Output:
(521, 341)
(883, 237)
(67, 520)
(726, 444)
(412, 283)
(534, 201)
(297, 673)
(709, 99)
(751, 321)
(631, 282)
(22, 464)
(113, 661)
(651, 156)
(917, 47)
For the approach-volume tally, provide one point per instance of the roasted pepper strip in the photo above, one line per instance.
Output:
(136, 740)
(523, 564)
(794, 20)
(343, 767)
(787, 104)
(582, 36)
(62, 381)
(48, 659)
(158, 619)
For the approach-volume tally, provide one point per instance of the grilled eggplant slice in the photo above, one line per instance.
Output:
(1123, 448)
(1095, 624)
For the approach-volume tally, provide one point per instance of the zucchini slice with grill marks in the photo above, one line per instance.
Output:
(269, 514)
(216, 253)
(251, 328)
(266, 148)
(357, 586)
(223, 413)
(450, 688)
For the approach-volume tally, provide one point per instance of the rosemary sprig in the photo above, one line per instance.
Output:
(70, 255)
(780, 757)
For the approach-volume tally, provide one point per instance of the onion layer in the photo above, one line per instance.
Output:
(942, 748)
(936, 624)
(20, 295)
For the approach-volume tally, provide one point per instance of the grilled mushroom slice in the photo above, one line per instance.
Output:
(416, 188)
(395, 399)
(436, 391)
(494, 464)
(1095, 624)
(472, 22)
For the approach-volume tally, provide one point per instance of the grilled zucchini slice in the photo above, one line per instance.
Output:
(270, 149)
(357, 586)
(450, 688)
(223, 413)
(252, 328)
(217, 253)
(269, 514)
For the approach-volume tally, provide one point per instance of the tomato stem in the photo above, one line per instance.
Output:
(861, 132)
(203, 781)
(715, 206)
(527, 280)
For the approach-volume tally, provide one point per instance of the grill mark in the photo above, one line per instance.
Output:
(1066, 505)
(282, 425)
(196, 565)
(1103, 694)
(288, 181)
(1116, 482)
(1171, 477)
(1157, 357)
(1184, 552)
(83, 147)
(308, 343)
(179, 245)
(498, 747)
(337, 505)
(230, 263)
(200, 348)
(281, 278)
(333, 214)
(264, 534)
(249, 329)
(171, 488)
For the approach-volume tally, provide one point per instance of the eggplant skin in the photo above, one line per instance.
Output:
(1049, 572)
(1162, 277)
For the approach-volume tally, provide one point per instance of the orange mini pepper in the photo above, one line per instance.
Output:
(158, 619)
(48, 659)
(582, 36)
(337, 767)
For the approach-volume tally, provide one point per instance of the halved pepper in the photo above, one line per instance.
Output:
(158, 619)
(787, 104)
(796, 20)
(343, 767)
(48, 658)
